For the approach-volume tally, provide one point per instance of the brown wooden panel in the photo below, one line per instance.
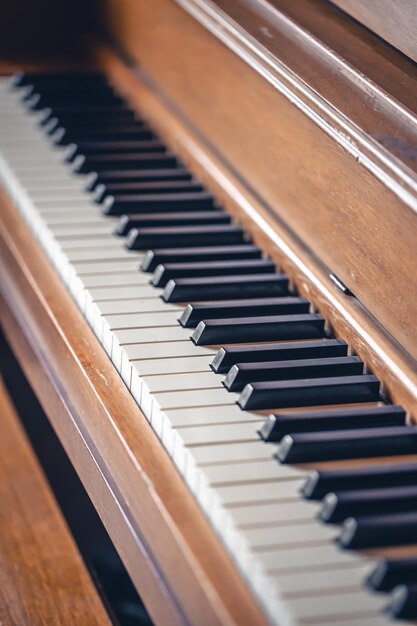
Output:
(177, 563)
(328, 196)
(43, 579)
(396, 22)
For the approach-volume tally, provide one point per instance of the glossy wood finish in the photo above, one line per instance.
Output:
(396, 22)
(349, 319)
(173, 557)
(43, 579)
(342, 196)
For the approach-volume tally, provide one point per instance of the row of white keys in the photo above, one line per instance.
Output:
(259, 495)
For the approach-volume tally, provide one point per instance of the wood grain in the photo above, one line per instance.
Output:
(43, 580)
(176, 562)
(327, 198)
(396, 22)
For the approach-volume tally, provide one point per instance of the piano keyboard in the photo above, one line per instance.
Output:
(307, 476)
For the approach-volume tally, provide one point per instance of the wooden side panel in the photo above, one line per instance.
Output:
(396, 22)
(360, 230)
(42, 577)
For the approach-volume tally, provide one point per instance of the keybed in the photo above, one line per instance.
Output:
(291, 561)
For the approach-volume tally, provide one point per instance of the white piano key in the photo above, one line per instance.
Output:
(200, 397)
(183, 381)
(273, 513)
(115, 293)
(281, 491)
(315, 609)
(289, 558)
(108, 267)
(82, 231)
(53, 197)
(199, 363)
(96, 254)
(57, 217)
(104, 242)
(347, 576)
(297, 534)
(121, 293)
(200, 416)
(124, 279)
(139, 319)
(249, 472)
(150, 334)
(250, 450)
(166, 350)
(245, 430)
(63, 183)
(143, 305)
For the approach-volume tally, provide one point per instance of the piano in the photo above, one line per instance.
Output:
(207, 244)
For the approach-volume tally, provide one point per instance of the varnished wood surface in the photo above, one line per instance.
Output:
(396, 22)
(43, 580)
(348, 318)
(178, 565)
(328, 197)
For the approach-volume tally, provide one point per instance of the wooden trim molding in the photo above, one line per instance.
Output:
(178, 565)
(271, 40)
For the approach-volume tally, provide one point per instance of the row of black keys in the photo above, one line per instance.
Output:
(188, 217)
(268, 313)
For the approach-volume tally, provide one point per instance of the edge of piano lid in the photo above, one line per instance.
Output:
(321, 172)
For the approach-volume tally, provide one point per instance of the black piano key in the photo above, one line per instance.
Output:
(37, 101)
(153, 258)
(365, 477)
(89, 123)
(203, 289)
(105, 177)
(78, 110)
(243, 373)
(281, 424)
(165, 273)
(230, 355)
(378, 531)
(403, 603)
(136, 130)
(190, 218)
(389, 573)
(66, 115)
(268, 328)
(338, 506)
(195, 313)
(134, 161)
(253, 329)
(145, 238)
(347, 444)
(124, 146)
(316, 392)
(146, 188)
(58, 79)
(69, 90)
(161, 202)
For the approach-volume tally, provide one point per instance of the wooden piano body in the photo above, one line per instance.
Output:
(303, 124)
